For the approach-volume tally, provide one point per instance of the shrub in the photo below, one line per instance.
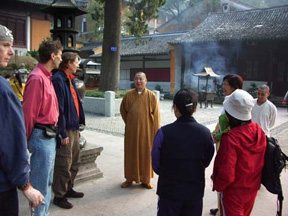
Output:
(100, 94)
(158, 88)
(253, 90)
(132, 85)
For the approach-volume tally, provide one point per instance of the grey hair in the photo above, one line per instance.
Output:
(264, 87)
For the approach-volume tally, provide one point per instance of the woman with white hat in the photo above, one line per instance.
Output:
(240, 158)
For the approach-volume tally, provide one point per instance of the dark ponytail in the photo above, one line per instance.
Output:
(19, 79)
(186, 101)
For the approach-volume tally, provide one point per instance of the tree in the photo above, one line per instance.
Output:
(110, 66)
(175, 8)
(95, 19)
(142, 11)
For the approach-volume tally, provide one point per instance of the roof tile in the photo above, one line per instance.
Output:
(260, 24)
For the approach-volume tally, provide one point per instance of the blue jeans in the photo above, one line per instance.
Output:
(42, 159)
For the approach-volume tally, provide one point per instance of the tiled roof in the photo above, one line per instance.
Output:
(40, 2)
(260, 24)
(148, 45)
(80, 3)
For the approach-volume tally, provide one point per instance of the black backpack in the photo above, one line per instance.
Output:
(275, 161)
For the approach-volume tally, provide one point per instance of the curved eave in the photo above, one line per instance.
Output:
(63, 10)
(142, 54)
(133, 54)
(229, 39)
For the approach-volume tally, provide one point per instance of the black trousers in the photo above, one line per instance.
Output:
(9, 203)
(167, 207)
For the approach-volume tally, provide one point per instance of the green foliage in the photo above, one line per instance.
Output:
(33, 53)
(94, 93)
(134, 18)
(218, 89)
(253, 89)
(175, 8)
(132, 85)
(100, 94)
(158, 88)
(95, 18)
(169, 96)
(141, 12)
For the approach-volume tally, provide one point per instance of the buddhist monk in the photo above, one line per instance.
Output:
(140, 112)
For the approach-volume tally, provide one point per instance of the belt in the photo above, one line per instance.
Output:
(43, 126)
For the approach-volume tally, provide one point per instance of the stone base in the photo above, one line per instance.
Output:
(88, 169)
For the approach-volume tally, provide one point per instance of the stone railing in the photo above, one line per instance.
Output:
(108, 106)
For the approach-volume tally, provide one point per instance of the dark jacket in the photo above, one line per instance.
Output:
(68, 118)
(186, 151)
(14, 167)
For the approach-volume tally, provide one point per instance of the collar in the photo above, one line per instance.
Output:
(44, 70)
(186, 119)
(144, 90)
(70, 77)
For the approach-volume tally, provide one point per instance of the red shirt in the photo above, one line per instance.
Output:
(74, 94)
(40, 103)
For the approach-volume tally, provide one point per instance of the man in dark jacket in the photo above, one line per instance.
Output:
(14, 166)
(71, 115)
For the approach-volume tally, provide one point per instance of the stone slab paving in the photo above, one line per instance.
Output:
(208, 117)
(115, 125)
(104, 197)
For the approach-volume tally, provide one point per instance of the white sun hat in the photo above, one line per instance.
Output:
(239, 105)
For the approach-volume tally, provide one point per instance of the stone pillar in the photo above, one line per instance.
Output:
(88, 169)
(157, 93)
(109, 104)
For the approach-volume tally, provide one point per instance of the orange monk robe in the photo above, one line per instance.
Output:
(142, 120)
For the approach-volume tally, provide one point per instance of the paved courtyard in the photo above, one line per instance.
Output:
(105, 197)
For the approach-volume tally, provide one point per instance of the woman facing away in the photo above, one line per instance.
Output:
(240, 158)
(181, 152)
(17, 86)
(230, 83)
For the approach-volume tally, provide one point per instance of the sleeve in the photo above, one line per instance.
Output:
(223, 127)
(32, 99)
(273, 115)
(156, 114)
(156, 151)
(209, 152)
(13, 148)
(224, 164)
(123, 109)
(286, 96)
(60, 93)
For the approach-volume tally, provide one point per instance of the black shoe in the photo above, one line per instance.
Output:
(74, 194)
(62, 203)
(213, 211)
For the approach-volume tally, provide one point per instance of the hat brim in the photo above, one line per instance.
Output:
(228, 106)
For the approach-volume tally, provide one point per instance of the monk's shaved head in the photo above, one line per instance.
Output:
(140, 81)
(140, 73)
